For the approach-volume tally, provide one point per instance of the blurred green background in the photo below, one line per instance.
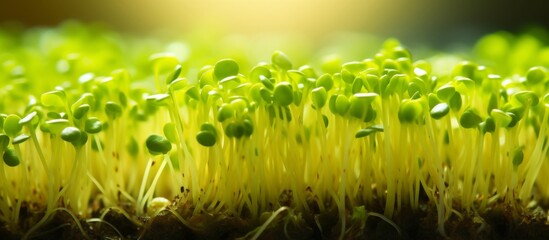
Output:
(434, 22)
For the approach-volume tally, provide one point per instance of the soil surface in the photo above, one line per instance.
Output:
(500, 221)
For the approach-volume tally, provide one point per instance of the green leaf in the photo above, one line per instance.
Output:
(12, 126)
(369, 130)
(342, 104)
(229, 82)
(347, 76)
(465, 69)
(325, 81)
(546, 100)
(440, 110)
(81, 141)
(446, 92)
(157, 144)
(225, 112)
(536, 75)
(178, 84)
(81, 111)
(331, 103)
(433, 100)
(397, 84)
(163, 62)
(193, 93)
(55, 126)
(205, 92)
(86, 98)
(132, 147)
(409, 111)
(10, 158)
(501, 118)
(160, 99)
(390, 64)
(527, 98)
(489, 125)
(514, 119)
(319, 97)
(281, 61)
(354, 67)
(20, 139)
(113, 110)
(266, 95)
(518, 157)
(93, 125)
(259, 71)
(298, 96)
(464, 85)
(123, 99)
(238, 131)
(296, 76)
(414, 88)
(470, 118)
(208, 127)
(371, 114)
(267, 82)
(170, 132)
(308, 71)
(225, 68)
(492, 102)
(248, 127)
(230, 129)
(30, 118)
(4, 142)
(71, 134)
(206, 138)
(455, 102)
(2, 118)
(239, 104)
(360, 103)
(174, 75)
(53, 99)
(371, 82)
(283, 94)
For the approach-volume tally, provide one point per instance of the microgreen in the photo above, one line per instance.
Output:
(536, 75)
(225, 68)
(281, 61)
(71, 134)
(113, 110)
(4, 142)
(470, 118)
(81, 111)
(283, 94)
(12, 126)
(326, 81)
(93, 125)
(53, 99)
(440, 110)
(409, 111)
(20, 139)
(10, 158)
(157, 144)
(444, 132)
(207, 135)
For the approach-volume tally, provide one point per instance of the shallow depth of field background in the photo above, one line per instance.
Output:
(434, 22)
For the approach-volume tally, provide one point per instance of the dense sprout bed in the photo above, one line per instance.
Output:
(102, 139)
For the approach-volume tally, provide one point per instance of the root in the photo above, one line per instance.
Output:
(258, 231)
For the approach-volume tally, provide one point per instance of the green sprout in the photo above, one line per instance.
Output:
(285, 148)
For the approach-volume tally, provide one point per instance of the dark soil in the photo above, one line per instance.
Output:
(498, 222)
